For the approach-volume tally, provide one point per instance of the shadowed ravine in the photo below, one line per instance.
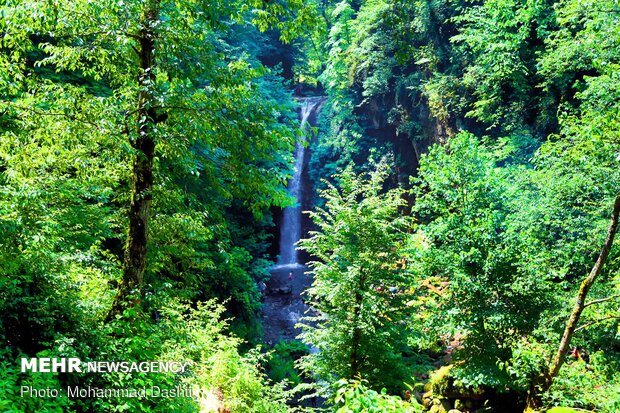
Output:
(283, 305)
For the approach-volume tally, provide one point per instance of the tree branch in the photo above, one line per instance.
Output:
(87, 34)
(58, 114)
(600, 320)
(587, 283)
(601, 300)
(99, 33)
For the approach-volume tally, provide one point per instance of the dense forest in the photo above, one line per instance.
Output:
(444, 173)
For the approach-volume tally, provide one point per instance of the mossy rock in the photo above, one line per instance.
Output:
(443, 384)
(563, 410)
(440, 380)
(438, 408)
(440, 405)
(428, 386)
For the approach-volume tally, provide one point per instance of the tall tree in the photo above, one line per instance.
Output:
(172, 96)
(358, 289)
(144, 146)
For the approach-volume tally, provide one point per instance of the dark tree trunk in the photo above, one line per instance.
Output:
(142, 173)
(545, 382)
(356, 338)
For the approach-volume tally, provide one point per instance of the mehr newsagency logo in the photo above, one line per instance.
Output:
(75, 365)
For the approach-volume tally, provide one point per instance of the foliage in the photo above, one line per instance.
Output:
(72, 89)
(503, 39)
(282, 359)
(499, 120)
(196, 336)
(508, 221)
(587, 386)
(354, 396)
(462, 199)
(358, 293)
(11, 399)
(68, 124)
(488, 245)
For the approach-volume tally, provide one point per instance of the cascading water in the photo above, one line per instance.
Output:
(282, 301)
(283, 305)
(290, 229)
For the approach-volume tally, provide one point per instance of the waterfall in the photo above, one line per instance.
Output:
(283, 303)
(290, 228)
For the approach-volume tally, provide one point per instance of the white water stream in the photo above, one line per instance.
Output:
(290, 228)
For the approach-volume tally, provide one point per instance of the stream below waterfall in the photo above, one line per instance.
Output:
(283, 304)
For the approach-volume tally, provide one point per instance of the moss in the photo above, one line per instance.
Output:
(443, 384)
(440, 381)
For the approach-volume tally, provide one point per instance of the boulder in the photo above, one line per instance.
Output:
(441, 406)
(438, 408)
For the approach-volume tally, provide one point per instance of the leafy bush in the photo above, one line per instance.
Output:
(182, 333)
(11, 381)
(355, 397)
(593, 386)
(281, 364)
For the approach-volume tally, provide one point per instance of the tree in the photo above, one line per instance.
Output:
(580, 304)
(170, 95)
(131, 134)
(470, 260)
(582, 63)
(500, 41)
(358, 292)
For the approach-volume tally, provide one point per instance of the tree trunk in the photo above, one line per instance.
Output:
(545, 382)
(144, 145)
(356, 339)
